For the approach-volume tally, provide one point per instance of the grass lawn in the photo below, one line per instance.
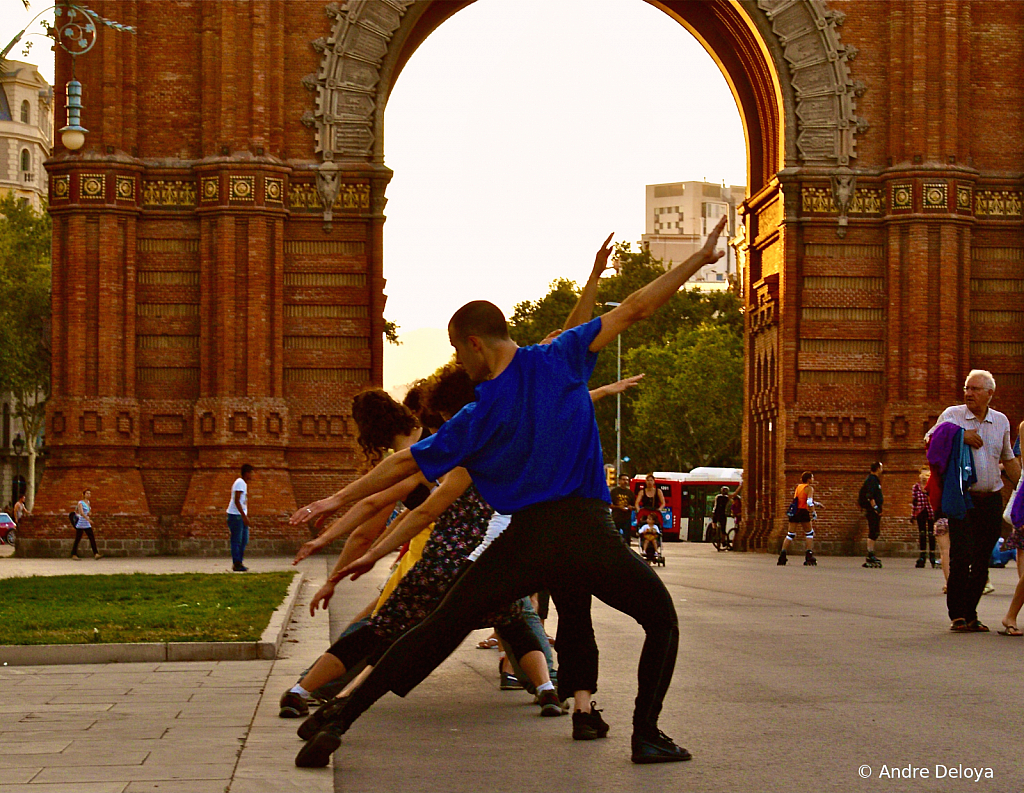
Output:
(183, 607)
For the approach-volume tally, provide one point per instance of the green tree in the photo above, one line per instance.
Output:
(689, 411)
(687, 311)
(24, 318)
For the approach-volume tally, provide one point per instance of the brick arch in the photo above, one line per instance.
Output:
(783, 61)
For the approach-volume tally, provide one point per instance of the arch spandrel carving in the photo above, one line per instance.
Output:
(816, 68)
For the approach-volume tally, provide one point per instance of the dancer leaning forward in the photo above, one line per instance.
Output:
(530, 444)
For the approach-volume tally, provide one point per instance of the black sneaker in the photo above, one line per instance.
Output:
(588, 726)
(293, 706)
(656, 747)
(317, 752)
(317, 721)
(239, 568)
(550, 704)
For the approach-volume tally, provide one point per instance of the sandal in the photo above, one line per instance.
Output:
(977, 626)
(1010, 630)
(959, 625)
(487, 644)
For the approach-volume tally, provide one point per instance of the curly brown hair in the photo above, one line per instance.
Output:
(450, 390)
(416, 401)
(379, 419)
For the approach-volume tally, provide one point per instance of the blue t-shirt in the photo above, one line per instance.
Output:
(531, 435)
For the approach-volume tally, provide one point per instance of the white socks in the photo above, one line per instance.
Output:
(549, 686)
(297, 689)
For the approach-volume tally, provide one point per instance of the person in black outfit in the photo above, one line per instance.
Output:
(622, 507)
(871, 502)
(721, 510)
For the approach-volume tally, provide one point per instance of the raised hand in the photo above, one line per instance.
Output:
(710, 250)
(621, 385)
(601, 258)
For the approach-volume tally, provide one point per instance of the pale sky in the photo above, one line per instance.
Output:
(521, 133)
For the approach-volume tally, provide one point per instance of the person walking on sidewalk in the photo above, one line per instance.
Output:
(238, 518)
(84, 525)
(972, 536)
(923, 514)
(804, 497)
(870, 500)
(622, 507)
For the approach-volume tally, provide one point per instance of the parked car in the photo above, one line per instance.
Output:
(7, 526)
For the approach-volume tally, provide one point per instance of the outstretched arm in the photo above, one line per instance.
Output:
(367, 509)
(453, 486)
(648, 299)
(615, 388)
(387, 472)
(584, 308)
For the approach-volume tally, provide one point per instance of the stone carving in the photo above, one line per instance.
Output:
(818, 428)
(242, 188)
(93, 186)
(169, 194)
(935, 196)
(273, 190)
(902, 196)
(349, 72)
(124, 188)
(61, 186)
(327, 184)
(826, 96)
(964, 198)
(998, 203)
(843, 185)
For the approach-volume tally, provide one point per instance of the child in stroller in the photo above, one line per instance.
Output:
(650, 536)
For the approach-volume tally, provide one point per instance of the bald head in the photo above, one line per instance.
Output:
(481, 319)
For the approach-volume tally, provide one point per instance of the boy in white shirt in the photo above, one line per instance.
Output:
(238, 518)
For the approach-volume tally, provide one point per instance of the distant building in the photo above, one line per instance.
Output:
(678, 217)
(26, 131)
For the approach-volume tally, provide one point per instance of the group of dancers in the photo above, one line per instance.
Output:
(498, 463)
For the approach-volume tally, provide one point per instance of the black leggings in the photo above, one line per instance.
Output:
(361, 642)
(78, 539)
(571, 547)
(925, 533)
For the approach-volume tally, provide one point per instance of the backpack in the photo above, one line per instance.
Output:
(862, 497)
(73, 519)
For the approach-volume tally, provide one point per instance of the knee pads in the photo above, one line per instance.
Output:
(809, 534)
(791, 535)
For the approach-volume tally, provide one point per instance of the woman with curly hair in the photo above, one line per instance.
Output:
(458, 527)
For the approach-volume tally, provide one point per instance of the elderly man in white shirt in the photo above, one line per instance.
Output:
(987, 432)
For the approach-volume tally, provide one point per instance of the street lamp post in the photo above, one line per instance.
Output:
(618, 404)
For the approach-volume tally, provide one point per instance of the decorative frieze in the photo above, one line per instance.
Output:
(177, 193)
(843, 428)
(998, 203)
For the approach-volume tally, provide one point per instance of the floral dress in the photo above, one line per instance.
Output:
(457, 531)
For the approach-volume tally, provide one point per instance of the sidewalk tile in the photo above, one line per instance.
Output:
(130, 773)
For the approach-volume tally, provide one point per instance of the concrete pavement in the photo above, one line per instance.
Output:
(787, 679)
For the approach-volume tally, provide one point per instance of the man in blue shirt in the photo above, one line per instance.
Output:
(531, 445)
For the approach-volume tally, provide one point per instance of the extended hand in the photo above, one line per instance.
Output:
(621, 385)
(360, 566)
(310, 511)
(322, 597)
(710, 249)
(307, 549)
(601, 258)
(973, 439)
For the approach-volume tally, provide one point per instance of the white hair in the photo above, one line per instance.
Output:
(985, 375)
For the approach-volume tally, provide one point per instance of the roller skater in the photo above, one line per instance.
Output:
(872, 560)
(869, 499)
(800, 513)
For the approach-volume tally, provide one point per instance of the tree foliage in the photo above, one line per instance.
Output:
(25, 312)
(687, 410)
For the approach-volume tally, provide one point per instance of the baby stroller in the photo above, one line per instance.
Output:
(651, 552)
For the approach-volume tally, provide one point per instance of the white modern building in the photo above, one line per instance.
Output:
(26, 131)
(678, 217)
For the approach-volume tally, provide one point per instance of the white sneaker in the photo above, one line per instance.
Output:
(989, 589)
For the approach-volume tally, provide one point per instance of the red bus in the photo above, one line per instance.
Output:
(690, 500)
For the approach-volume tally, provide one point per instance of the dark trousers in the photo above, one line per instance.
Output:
(925, 533)
(970, 546)
(239, 538)
(78, 538)
(571, 547)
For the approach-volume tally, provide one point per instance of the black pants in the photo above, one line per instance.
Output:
(874, 523)
(78, 539)
(571, 547)
(970, 546)
(362, 642)
(925, 533)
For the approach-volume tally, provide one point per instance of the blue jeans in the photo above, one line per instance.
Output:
(239, 538)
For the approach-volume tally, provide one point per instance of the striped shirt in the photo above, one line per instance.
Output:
(921, 503)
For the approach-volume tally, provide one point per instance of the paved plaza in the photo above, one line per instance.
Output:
(788, 679)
